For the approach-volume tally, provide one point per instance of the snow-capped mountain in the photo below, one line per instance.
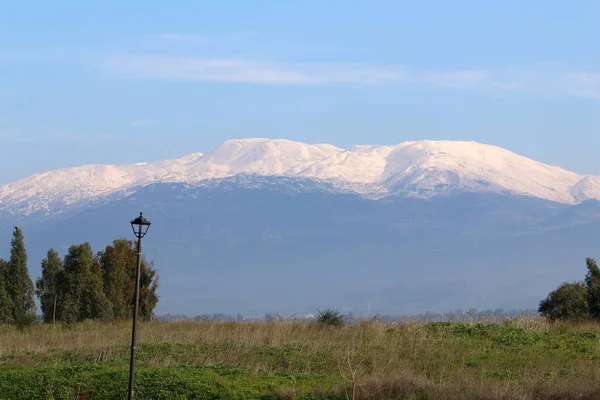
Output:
(260, 225)
(412, 169)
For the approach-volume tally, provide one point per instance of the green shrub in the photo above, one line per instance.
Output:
(26, 320)
(330, 317)
(567, 302)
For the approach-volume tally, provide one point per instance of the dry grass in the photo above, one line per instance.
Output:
(402, 360)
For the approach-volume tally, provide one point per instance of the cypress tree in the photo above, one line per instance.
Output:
(17, 280)
(47, 286)
(5, 300)
(80, 287)
(119, 262)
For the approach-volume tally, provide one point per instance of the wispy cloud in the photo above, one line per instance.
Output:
(178, 37)
(460, 79)
(542, 79)
(194, 38)
(81, 137)
(582, 84)
(189, 69)
(248, 71)
(17, 137)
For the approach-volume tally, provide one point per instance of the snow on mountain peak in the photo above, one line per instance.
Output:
(420, 168)
(264, 156)
(428, 168)
(587, 188)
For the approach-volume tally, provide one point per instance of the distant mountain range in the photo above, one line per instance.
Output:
(260, 225)
(421, 169)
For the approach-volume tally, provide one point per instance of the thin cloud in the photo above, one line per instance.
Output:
(539, 79)
(245, 71)
(582, 84)
(81, 137)
(187, 38)
(461, 79)
(16, 137)
(178, 37)
(219, 70)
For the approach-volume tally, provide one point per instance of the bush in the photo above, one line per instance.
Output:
(330, 317)
(26, 320)
(567, 302)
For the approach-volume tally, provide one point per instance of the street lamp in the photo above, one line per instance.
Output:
(140, 227)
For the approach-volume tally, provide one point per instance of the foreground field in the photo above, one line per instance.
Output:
(517, 359)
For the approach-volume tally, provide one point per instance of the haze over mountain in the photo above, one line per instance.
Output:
(260, 225)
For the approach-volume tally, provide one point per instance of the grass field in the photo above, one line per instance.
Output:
(514, 359)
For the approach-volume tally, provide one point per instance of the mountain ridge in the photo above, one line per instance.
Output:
(410, 169)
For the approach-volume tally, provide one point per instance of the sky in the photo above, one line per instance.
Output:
(124, 82)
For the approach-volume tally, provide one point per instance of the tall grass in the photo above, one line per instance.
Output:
(520, 358)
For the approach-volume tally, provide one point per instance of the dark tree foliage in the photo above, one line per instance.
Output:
(567, 302)
(330, 317)
(17, 281)
(6, 306)
(592, 282)
(119, 262)
(47, 286)
(80, 287)
(84, 286)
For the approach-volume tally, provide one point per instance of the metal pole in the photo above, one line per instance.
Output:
(135, 313)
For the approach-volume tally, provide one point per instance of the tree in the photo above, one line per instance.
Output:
(6, 305)
(592, 282)
(119, 263)
(567, 302)
(81, 288)
(18, 283)
(47, 286)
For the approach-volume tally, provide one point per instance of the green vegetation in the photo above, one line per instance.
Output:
(108, 383)
(17, 282)
(511, 359)
(82, 351)
(47, 286)
(118, 263)
(330, 317)
(80, 287)
(567, 302)
(5, 300)
(592, 282)
(575, 301)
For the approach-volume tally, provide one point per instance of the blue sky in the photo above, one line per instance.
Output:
(118, 82)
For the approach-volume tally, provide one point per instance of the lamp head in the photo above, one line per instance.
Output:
(140, 226)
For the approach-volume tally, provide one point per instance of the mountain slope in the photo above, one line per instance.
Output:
(433, 168)
(412, 169)
(220, 246)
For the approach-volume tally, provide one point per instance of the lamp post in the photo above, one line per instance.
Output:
(140, 227)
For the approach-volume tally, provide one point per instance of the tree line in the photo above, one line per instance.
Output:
(81, 285)
(579, 300)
